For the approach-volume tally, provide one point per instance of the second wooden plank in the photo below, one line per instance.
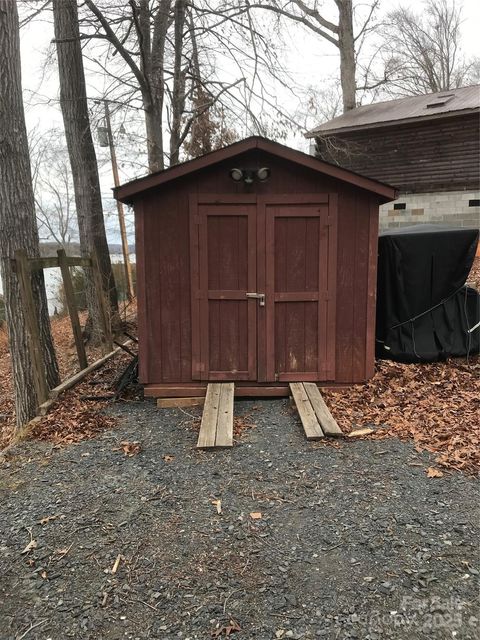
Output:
(324, 417)
(225, 416)
(309, 420)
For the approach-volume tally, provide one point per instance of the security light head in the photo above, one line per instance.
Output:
(263, 174)
(248, 176)
(236, 174)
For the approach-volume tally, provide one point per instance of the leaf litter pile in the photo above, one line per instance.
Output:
(437, 405)
(72, 418)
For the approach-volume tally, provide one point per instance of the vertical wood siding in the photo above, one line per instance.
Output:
(164, 268)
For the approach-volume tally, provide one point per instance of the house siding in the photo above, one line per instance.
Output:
(423, 157)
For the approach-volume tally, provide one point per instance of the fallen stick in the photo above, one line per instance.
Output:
(75, 379)
(116, 564)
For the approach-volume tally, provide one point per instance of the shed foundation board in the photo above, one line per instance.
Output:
(249, 390)
(167, 403)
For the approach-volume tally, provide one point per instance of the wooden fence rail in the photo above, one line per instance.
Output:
(25, 266)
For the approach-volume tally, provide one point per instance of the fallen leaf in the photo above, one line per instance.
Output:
(434, 473)
(255, 515)
(218, 504)
(168, 458)
(48, 519)
(63, 552)
(226, 630)
(130, 448)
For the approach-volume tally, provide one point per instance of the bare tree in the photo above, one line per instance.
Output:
(17, 222)
(146, 62)
(53, 188)
(319, 106)
(423, 50)
(157, 43)
(340, 33)
(179, 73)
(73, 101)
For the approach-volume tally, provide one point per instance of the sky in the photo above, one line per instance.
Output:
(312, 62)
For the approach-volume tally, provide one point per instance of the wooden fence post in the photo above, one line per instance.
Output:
(104, 315)
(72, 308)
(31, 322)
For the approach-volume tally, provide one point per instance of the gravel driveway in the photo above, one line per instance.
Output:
(275, 538)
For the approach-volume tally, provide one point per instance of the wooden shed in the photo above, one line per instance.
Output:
(255, 264)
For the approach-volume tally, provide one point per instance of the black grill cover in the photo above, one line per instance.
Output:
(424, 308)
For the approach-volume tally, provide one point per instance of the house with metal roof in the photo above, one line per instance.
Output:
(427, 146)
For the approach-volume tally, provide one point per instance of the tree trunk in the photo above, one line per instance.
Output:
(178, 93)
(83, 161)
(153, 125)
(346, 44)
(153, 68)
(18, 228)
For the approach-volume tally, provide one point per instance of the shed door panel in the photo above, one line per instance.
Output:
(300, 280)
(227, 271)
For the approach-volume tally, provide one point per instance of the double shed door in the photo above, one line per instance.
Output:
(263, 287)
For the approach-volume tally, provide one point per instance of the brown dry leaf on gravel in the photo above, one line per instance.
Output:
(226, 630)
(434, 473)
(242, 424)
(130, 448)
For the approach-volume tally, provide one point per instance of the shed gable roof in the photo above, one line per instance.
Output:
(130, 191)
(443, 104)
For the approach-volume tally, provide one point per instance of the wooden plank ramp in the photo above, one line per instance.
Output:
(316, 418)
(216, 428)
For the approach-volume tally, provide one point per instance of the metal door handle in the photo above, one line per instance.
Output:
(258, 296)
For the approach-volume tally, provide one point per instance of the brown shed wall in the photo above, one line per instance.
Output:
(163, 266)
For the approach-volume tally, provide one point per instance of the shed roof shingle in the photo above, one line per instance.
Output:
(415, 108)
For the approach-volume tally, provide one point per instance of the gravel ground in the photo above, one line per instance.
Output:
(354, 540)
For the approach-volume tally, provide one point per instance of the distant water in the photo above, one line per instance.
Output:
(53, 279)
